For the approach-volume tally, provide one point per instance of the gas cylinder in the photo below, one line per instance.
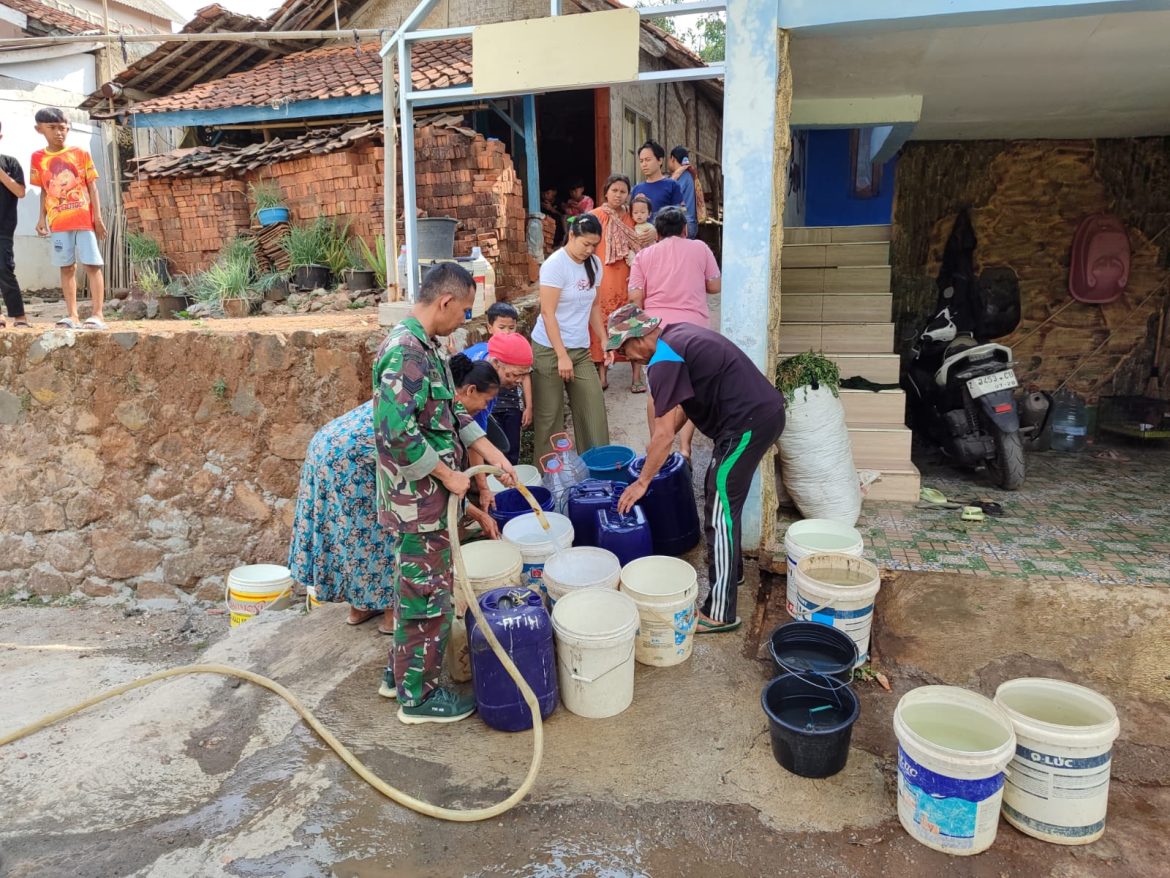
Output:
(628, 536)
(585, 500)
(518, 619)
(669, 504)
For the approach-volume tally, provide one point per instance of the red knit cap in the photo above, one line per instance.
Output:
(510, 348)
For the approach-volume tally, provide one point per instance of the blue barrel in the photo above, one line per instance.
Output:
(512, 504)
(609, 462)
(518, 619)
(585, 500)
(627, 536)
(669, 504)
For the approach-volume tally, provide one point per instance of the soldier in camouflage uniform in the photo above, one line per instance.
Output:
(422, 436)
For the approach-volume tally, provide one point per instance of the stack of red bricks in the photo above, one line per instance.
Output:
(192, 217)
(458, 174)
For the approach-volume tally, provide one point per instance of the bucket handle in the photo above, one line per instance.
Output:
(581, 679)
(809, 674)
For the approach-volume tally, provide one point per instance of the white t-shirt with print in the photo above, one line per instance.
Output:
(577, 296)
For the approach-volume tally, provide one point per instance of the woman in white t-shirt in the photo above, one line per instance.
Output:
(560, 342)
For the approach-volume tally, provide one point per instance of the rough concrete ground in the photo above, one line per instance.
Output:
(203, 777)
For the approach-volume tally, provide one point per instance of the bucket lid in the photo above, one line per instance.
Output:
(260, 575)
(526, 529)
(582, 567)
(487, 559)
(595, 614)
(658, 576)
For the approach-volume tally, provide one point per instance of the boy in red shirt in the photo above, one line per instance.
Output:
(70, 213)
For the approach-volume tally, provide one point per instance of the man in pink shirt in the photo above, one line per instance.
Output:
(671, 280)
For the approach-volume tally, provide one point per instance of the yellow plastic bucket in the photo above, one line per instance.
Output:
(256, 587)
(311, 597)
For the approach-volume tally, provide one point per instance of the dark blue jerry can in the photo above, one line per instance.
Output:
(670, 508)
(522, 625)
(585, 501)
(628, 536)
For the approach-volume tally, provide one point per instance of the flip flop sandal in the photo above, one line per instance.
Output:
(22, 324)
(706, 627)
(988, 506)
(382, 630)
(67, 323)
(94, 323)
(361, 620)
(638, 387)
(973, 513)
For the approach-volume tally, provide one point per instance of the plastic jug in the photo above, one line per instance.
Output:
(670, 507)
(1069, 422)
(558, 480)
(627, 536)
(518, 619)
(485, 280)
(585, 501)
(563, 446)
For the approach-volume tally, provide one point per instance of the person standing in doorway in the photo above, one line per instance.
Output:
(695, 373)
(569, 309)
(11, 191)
(421, 436)
(663, 191)
(683, 172)
(71, 213)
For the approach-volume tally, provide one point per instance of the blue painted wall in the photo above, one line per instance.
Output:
(827, 198)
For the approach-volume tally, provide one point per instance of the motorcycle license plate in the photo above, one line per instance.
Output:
(986, 384)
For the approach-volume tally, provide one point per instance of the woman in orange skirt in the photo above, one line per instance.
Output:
(618, 240)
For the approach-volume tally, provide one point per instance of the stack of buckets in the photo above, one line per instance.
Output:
(1039, 753)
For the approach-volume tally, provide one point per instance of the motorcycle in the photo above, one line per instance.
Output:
(963, 397)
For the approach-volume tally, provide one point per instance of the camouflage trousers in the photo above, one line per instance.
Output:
(423, 581)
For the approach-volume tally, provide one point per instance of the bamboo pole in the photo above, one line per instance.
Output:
(243, 37)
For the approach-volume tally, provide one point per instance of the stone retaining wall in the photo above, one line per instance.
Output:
(151, 463)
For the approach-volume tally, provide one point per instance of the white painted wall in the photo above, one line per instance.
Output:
(25, 88)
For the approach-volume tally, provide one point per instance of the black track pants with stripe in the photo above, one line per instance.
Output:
(733, 464)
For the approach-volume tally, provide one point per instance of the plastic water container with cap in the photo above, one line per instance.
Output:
(1070, 422)
(558, 480)
(585, 501)
(563, 445)
(669, 504)
(628, 536)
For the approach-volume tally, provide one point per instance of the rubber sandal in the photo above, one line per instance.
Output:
(638, 387)
(988, 506)
(361, 620)
(706, 627)
(382, 630)
(973, 513)
(67, 323)
(22, 324)
(94, 323)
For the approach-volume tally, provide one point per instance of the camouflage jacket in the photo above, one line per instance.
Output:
(417, 424)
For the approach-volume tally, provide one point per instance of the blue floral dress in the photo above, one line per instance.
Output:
(337, 544)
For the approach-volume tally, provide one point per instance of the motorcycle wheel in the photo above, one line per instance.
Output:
(1007, 467)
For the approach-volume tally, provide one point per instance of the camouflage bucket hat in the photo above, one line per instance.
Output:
(629, 321)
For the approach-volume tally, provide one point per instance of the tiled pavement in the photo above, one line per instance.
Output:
(1077, 517)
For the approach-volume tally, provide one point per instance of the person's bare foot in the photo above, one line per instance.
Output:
(358, 616)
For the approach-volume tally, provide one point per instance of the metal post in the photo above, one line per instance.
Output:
(409, 194)
(390, 181)
(533, 164)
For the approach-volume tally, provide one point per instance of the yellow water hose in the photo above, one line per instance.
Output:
(464, 587)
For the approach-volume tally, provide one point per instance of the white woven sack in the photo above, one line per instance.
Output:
(818, 458)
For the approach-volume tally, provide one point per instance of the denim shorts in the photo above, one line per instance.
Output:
(70, 248)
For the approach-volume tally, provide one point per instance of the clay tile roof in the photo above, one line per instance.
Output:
(51, 18)
(334, 71)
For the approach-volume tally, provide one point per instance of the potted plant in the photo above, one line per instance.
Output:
(308, 249)
(146, 256)
(270, 204)
(375, 259)
(177, 296)
(232, 282)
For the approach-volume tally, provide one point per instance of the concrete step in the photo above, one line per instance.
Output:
(852, 280)
(880, 442)
(835, 234)
(879, 368)
(832, 255)
(900, 481)
(886, 407)
(835, 309)
(837, 338)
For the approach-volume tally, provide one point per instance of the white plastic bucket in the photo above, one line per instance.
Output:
(311, 599)
(595, 630)
(664, 590)
(953, 747)
(1058, 784)
(814, 535)
(846, 606)
(526, 473)
(580, 567)
(492, 564)
(536, 544)
(256, 587)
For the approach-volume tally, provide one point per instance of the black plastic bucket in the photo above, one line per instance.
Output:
(811, 721)
(813, 648)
